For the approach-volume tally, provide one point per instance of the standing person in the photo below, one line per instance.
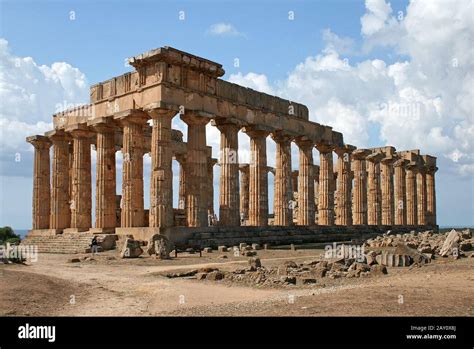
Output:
(94, 245)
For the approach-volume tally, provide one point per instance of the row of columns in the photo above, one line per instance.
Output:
(371, 188)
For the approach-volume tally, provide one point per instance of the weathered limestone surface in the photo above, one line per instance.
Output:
(411, 194)
(41, 184)
(182, 181)
(105, 218)
(359, 196)
(421, 196)
(306, 184)
(374, 214)
(161, 181)
(400, 192)
(344, 185)
(210, 183)
(81, 200)
(258, 185)
(326, 185)
(386, 173)
(431, 196)
(244, 190)
(133, 122)
(229, 200)
(283, 189)
(196, 170)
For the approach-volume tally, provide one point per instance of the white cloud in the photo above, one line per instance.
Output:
(258, 82)
(30, 94)
(223, 29)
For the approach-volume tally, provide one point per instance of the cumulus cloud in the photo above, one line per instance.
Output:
(30, 94)
(223, 29)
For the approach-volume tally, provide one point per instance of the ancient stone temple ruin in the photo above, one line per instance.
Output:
(363, 191)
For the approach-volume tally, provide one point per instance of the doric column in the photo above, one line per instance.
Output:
(61, 180)
(411, 170)
(316, 192)
(306, 212)
(344, 185)
(81, 200)
(210, 176)
(282, 188)
(431, 195)
(105, 210)
(182, 181)
(244, 190)
(133, 148)
(196, 171)
(229, 196)
(421, 195)
(400, 192)
(258, 187)
(326, 185)
(374, 216)
(161, 176)
(386, 174)
(41, 182)
(359, 196)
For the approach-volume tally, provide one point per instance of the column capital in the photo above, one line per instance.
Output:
(220, 122)
(131, 116)
(58, 136)
(304, 143)
(159, 109)
(360, 154)
(196, 118)
(388, 160)
(181, 158)
(400, 163)
(374, 157)
(79, 130)
(431, 169)
(282, 136)
(244, 167)
(39, 141)
(102, 124)
(346, 149)
(324, 147)
(257, 131)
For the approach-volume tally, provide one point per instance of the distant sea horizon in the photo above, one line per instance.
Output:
(23, 232)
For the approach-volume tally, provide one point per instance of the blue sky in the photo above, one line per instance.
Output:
(301, 59)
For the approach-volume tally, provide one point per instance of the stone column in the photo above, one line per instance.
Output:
(244, 190)
(411, 171)
(229, 198)
(386, 177)
(81, 200)
(359, 196)
(326, 185)
(344, 185)
(258, 187)
(316, 192)
(61, 181)
(282, 189)
(105, 209)
(41, 182)
(182, 181)
(133, 123)
(421, 195)
(305, 183)
(210, 175)
(196, 171)
(431, 195)
(374, 214)
(400, 192)
(161, 180)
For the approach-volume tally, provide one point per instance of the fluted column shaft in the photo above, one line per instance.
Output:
(386, 173)
(229, 196)
(283, 188)
(431, 196)
(105, 179)
(61, 181)
(421, 196)
(326, 186)
(359, 197)
(196, 171)
(400, 192)
(411, 197)
(133, 214)
(161, 181)
(244, 190)
(41, 182)
(306, 208)
(210, 175)
(182, 182)
(373, 199)
(81, 201)
(258, 187)
(344, 186)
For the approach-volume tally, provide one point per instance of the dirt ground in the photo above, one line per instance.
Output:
(112, 286)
